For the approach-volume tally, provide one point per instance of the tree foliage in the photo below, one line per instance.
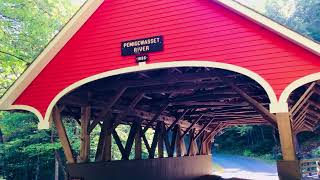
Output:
(299, 15)
(25, 148)
(249, 141)
(26, 27)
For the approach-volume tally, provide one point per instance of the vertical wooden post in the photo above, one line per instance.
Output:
(180, 145)
(286, 136)
(203, 146)
(155, 140)
(130, 140)
(166, 140)
(174, 139)
(105, 142)
(107, 156)
(138, 144)
(101, 143)
(56, 116)
(193, 148)
(85, 136)
(161, 143)
(206, 144)
(210, 143)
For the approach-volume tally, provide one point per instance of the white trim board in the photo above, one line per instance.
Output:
(296, 84)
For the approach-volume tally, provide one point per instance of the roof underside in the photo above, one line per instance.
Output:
(186, 93)
(192, 95)
(229, 100)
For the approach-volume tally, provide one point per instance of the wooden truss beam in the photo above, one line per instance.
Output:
(218, 128)
(271, 118)
(180, 144)
(191, 126)
(178, 119)
(132, 105)
(56, 116)
(155, 140)
(190, 77)
(203, 129)
(156, 116)
(161, 142)
(103, 152)
(107, 110)
(119, 144)
(305, 96)
(193, 147)
(129, 143)
(138, 143)
(166, 141)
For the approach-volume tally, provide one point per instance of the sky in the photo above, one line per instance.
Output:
(287, 9)
(258, 5)
(77, 1)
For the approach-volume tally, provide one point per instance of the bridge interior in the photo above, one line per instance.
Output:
(186, 106)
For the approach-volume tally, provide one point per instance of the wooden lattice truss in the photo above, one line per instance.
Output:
(177, 102)
(185, 96)
(305, 108)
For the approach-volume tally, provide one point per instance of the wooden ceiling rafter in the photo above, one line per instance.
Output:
(174, 96)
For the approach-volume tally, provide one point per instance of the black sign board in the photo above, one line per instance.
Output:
(142, 46)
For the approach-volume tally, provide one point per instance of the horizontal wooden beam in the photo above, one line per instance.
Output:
(264, 112)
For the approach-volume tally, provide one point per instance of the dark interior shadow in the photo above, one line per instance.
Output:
(213, 177)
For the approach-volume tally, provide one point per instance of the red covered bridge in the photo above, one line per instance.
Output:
(184, 68)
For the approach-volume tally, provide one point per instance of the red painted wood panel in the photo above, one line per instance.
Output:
(192, 30)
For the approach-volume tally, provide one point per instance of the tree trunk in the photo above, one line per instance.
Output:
(1, 137)
(37, 169)
(274, 136)
(251, 137)
(56, 168)
(1, 156)
(63, 168)
(262, 133)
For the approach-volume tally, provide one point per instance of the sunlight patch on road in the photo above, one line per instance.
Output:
(217, 168)
(230, 173)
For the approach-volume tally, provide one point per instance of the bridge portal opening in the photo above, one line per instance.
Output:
(304, 109)
(157, 123)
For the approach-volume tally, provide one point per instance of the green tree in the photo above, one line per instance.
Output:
(299, 15)
(26, 150)
(26, 27)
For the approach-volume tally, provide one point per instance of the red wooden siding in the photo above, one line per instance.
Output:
(192, 30)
